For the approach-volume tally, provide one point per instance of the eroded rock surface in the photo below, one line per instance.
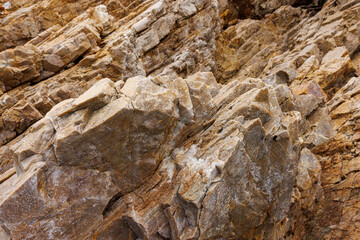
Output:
(194, 139)
(179, 119)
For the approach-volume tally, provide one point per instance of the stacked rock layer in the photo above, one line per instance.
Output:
(179, 119)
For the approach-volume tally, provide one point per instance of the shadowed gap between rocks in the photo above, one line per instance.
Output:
(256, 10)
(111, 203)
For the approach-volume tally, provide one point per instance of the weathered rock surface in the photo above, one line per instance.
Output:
(179, 119)
(338, 216)
(187, 46)
(192, 138)
(25, 20)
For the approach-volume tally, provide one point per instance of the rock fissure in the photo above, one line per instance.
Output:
(179, 119)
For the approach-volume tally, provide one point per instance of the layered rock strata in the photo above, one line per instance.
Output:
(179, 119)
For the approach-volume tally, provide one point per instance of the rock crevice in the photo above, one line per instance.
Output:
(179, 119)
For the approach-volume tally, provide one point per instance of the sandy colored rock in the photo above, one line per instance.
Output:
(97, 96)
(179, 119)
(335, 65)
(132, 157)
(19, 65)
(39, 186)
(207, 182)
(25, 63)
(118, 58)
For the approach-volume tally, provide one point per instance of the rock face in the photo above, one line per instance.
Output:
(179, 119)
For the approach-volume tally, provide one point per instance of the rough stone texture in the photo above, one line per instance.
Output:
(179, 119)
(161, 130)
(188, 48)
(19, 65)
(338, 215)
(25, 63)
(25, 20)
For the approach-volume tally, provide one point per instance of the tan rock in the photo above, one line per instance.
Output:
(30, 19)
(334, 66)
(206, 168)
(118, 58)
(25, 63)
(144, 106)
(42, 191)
(118, 101)
(126, 149)
(19, 65)
(321, 128)
(97, 96)
(308, 170)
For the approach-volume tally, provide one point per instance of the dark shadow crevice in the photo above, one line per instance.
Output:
(111, 203)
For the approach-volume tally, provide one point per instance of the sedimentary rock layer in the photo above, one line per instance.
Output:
(179, 119)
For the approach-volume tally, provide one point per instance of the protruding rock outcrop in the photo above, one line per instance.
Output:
(179, 119)
(188, 154)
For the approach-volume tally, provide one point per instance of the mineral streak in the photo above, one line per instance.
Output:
(179, 119)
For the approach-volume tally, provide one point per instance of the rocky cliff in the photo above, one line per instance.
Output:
(179, 119)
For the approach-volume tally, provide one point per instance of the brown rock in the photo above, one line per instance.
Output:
(19, 65)
(60, 192)
(113, 125)
(97, 96)
(334, 66)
